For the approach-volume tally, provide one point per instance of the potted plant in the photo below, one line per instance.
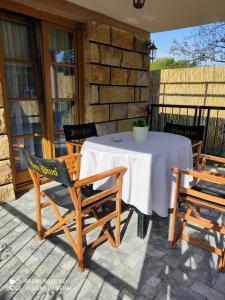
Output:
(140, 130)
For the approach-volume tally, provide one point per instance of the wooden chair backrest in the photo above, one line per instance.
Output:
(79, 132)
(51, 169)
(194, 133)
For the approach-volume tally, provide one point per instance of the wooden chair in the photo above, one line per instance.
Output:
(75, 135)
(207, 192)
(194, 133)
(76, 196)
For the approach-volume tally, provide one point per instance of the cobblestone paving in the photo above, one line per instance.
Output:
(138, 269)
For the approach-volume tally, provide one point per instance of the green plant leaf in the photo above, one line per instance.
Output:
(140, 123)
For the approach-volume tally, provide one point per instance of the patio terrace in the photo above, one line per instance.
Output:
(138, 269)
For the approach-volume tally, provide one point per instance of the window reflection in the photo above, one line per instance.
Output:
(63, 85)
(60, 145)
(33, 145)
(24, 117)
(61, 46)
(20, 80)
(63, 113)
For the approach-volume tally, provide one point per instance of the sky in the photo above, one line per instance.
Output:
(163, 40)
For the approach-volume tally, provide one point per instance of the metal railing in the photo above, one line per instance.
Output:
(212, 117)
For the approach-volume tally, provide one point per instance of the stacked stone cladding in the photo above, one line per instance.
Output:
(6, 186)
(116, 77)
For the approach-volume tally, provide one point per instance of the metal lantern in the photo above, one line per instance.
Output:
(138, 3)
(151, 50)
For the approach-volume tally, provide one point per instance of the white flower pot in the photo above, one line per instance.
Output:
(140, 134)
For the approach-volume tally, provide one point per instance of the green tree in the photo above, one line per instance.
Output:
(170, 63)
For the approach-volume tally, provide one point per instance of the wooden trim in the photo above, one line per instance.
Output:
(47, 90)
(80, 74)
(63, 99)
(30, 11)
(18, 60)
(62, 65)
(22, 176)
(6, 112)
(24, 99)
(27, 136)
(65, 13)
(51, 132)
(13, 18)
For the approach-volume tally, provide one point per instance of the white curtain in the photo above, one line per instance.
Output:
(20, 83)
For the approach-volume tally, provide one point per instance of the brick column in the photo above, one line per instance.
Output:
(117, 77)
(6, 186)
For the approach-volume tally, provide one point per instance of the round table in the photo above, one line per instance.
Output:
(148, 184)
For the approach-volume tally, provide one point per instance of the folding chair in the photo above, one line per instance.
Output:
(75, 134)
(207, 192)
(76, 196)
(194, 133)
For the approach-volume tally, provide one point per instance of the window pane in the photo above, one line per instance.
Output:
(61, 46)
(33, 145)
(60, 145)
(24, 117)
(20, 80)
(16, 40)
(63, 82)
(63, 112)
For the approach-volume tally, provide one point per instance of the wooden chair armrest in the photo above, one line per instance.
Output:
(68, 157)
(77, 143)
(212, 158)
(197, 144)
(116, 171)
(213, 173)
(200, 175)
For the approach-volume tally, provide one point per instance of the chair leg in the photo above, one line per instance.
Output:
(174, 214)
(80, 250)
(118, 210)
(182, 226)
(38, 216)
(221, 264)
(173, 225)
(77, 247)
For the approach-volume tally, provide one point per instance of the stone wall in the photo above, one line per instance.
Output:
(116, 77)
(6, 186)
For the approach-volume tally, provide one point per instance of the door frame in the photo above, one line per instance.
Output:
(23, 175)
(46, 26)
(56, 21)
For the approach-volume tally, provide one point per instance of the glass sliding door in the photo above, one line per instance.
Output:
(22, 91)
(62, 98)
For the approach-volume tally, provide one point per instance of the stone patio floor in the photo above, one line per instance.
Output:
(138, 269)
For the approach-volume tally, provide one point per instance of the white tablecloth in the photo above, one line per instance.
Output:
(148, 183)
